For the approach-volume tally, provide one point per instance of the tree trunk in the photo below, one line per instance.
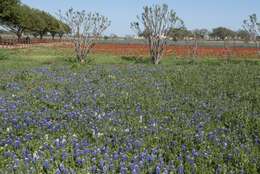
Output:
(195, 48)
(53, 35)
(60, 35)
(19, 36)
(41, 36)
(77, 55)
(77, 50)
(156, 59)
(257, 46)
(156, 62)
(225, 50)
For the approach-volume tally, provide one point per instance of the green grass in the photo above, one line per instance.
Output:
(31, 57)
(40, 55)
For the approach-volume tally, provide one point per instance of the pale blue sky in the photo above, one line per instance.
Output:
(195, 13)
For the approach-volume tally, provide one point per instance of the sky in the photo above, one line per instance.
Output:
(195, 13)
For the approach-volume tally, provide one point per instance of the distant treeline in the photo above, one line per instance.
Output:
(18, 18)
(219, 33)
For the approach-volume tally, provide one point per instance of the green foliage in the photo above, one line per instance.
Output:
(106, 37)
(44, 22)
(6, 8)
(39, 24)
(14, 17)
(223, 33)
(19, 18)
(244, 35)
(144, 34)
(63, 29)
(179, 33)
(200, 33)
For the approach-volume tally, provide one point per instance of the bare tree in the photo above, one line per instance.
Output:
(258, 26)
(86, 29)
(198, 34)
(156, 21)
(252, 27)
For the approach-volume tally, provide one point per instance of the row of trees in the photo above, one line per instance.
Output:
(249, 32)
(19, 19)
(220, 33)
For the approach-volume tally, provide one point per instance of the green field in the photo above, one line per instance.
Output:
(42, 55)
(125, 115)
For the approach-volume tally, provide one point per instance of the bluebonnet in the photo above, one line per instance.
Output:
(87, 122)
(46, 165)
